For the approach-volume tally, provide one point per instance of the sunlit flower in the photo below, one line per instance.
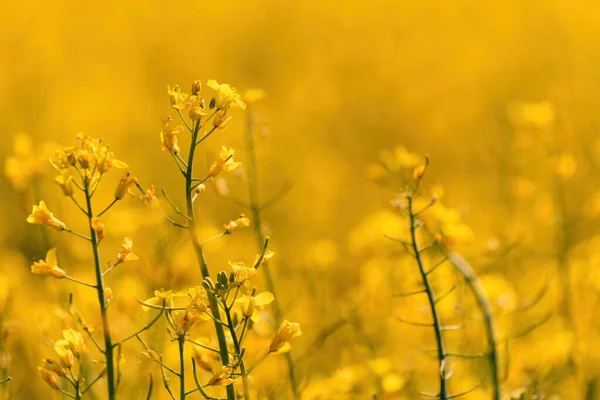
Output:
(176, 98)
(226, 95)
(224, 162)
(65, 182)
(48, 377)
(124, 186)
(166, 297)
(63, 350)
(54, 366)
(168, 135)
(241, 222)
(75, 341)
(42, 216)
(222, 377)
(126, 254)
(99, 228)
(150, 197)
(248, 304)
(49, 266)
(286, 332)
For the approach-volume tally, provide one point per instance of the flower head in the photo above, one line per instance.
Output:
(241, 222)
(286, 332)
(222, 377)
(168, 135)
(126, 254)
(224, 162)
(48, 377)
(248, 304)
(124, 186)
(226, 96)
(49, 266)
(42, 216)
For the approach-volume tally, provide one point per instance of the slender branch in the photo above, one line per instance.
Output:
(78, 234)
(474, 283)
(172, 204)
(238, 350)
(437, 326)
(108, 207)
(100, 375)
(78, 205)
(181, 346)
(150, 387)
(70, 278)
(199, 385)
(192, 228)
(261, 242)
(108, 352)
(145, 328)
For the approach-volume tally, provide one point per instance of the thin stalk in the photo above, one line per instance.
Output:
(108, 352)
(437, 326)
(478, 290)
(181, 342)
(238, 350)
(192, 228)
(256, 208)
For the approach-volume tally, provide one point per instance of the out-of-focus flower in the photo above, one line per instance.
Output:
(75, 341)
(41, 215)
(224, 162)
(166, 297)
(150, 197)
(126, 254)
(65, 182)
(49, 266)
(204, 358)
(48, 377)
(222, 377)
(241, 222)
(565, 166)
(254, 95)
(286, 332)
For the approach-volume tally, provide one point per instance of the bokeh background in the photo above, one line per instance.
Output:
(503, 96)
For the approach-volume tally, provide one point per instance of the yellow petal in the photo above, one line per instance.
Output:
(51, 257)
(119, 164)
(264, 298)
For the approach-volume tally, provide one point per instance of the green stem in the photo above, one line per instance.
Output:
(238, 350)
(108, 352)
(192, 228)
(480, 294)
(437, 326)
(255, 207)
(181, 342)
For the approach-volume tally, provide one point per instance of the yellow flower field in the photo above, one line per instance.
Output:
(304, 200)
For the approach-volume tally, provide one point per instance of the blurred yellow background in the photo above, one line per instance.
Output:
(503, 96)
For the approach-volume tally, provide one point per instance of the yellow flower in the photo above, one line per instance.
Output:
(222, 377)
(221, 119)
(168, 135)
(48, 377)
(224, 162)
(161, 296)
(241, 222)
(124, 186)
(66, 184)
(63, 349)
(108, 294)
(204, 358)
(248, 304)
(106, 160)
(196, 87)
(98, 227)
(150, 197)
(226, 95)
(42, 216)
(125, 254)
(241, 273)
(268, 255)
(75, 341)
(49, 266)
(286, 332)
(176, 98)
(54, 366)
